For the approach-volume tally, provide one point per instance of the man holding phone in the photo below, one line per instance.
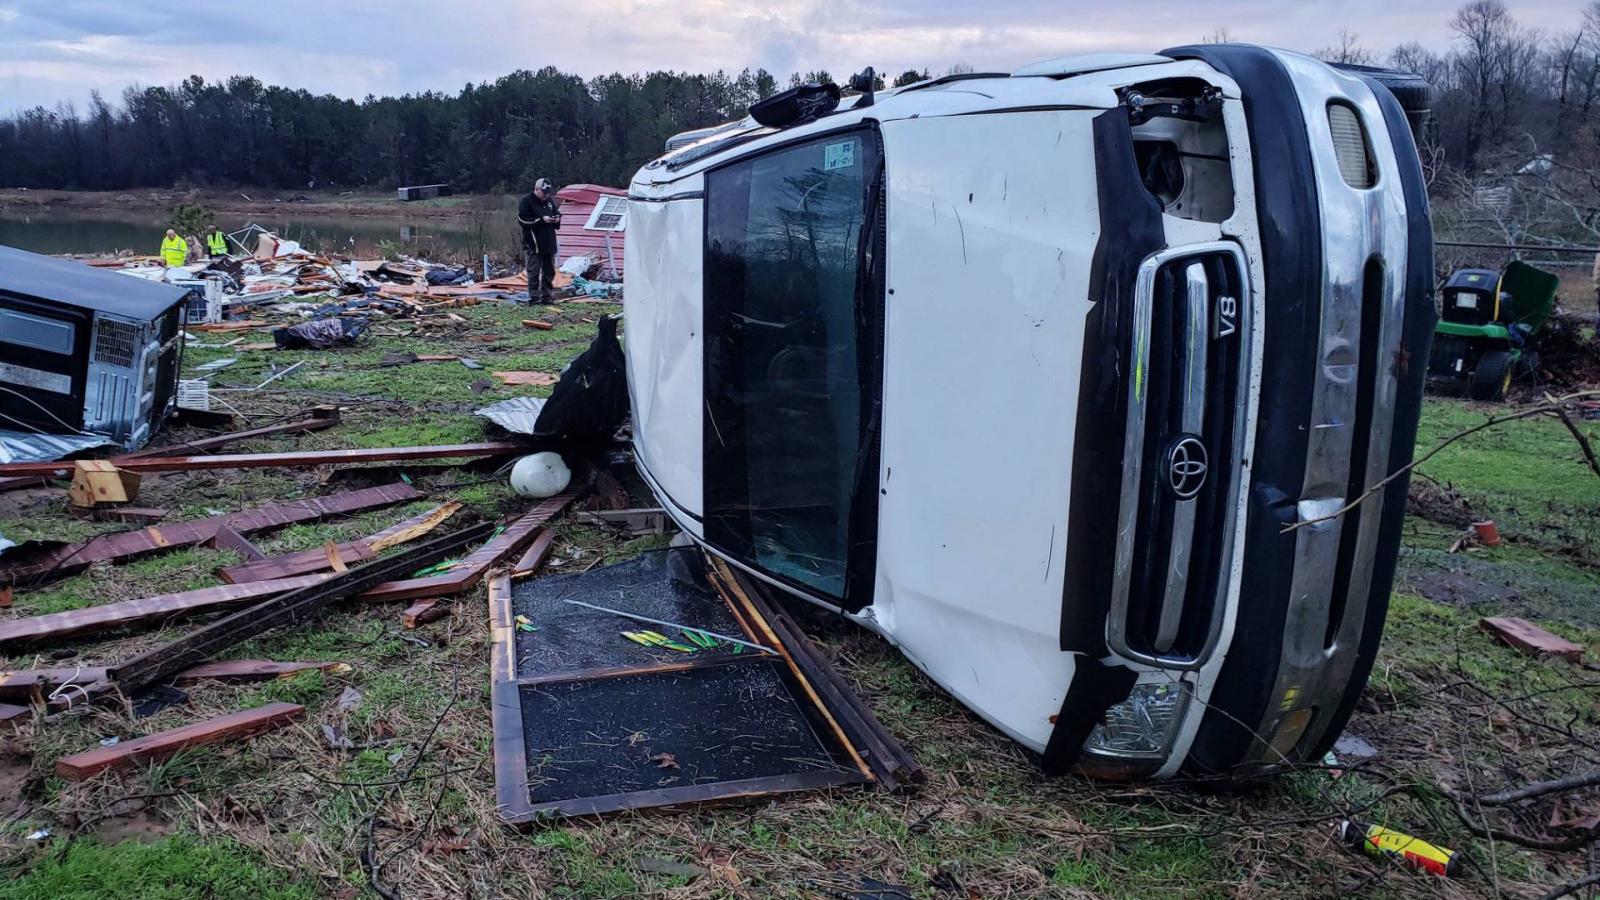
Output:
(539, 217)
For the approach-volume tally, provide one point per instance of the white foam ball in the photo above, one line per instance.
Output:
(540, 475)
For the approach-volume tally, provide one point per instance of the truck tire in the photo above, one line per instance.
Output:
(1491, 376)
(1412, 91)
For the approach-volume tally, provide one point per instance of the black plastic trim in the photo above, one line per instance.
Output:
(1130, 230)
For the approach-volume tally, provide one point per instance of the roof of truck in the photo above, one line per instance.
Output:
(75, 284)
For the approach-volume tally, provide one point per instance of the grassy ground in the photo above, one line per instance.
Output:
(286, 815)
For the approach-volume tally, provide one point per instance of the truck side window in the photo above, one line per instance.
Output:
(784, 430)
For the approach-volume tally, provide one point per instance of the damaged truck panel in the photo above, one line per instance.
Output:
(986, 363)
(988, 285)
(665, 374)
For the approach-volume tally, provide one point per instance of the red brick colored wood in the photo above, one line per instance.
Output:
(146, 610)
(71, 558)
(1526, 636)
(163, 744)
(466, 576)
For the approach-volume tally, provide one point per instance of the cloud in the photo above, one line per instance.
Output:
(52, 51)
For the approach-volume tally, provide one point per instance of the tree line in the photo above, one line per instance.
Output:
(1502, 88)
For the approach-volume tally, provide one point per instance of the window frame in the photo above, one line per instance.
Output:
(870, 308)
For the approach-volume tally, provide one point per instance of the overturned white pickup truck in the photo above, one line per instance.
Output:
(1059, 380)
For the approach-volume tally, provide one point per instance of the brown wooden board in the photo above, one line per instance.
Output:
(163, 744)
(891, 763)
(292, 458)
(25, 683)
(505, 709)
(466, 576)
(70, 558)
(237, 671)
(1530, 638)
(143, 611)
(292, 608)
(424, 611)
(320, 417)
(351, 552)
(228, 539)
(537, 553)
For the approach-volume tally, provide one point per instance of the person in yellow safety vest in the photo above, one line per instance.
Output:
(174, 250)
(217, 243)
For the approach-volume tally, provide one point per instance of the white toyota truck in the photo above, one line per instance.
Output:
(1064, 381)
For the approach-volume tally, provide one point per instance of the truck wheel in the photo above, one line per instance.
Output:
(1491, 378)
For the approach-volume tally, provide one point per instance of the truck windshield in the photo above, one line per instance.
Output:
(790, 358)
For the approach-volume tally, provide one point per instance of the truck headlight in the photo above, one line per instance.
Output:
(1141, 726)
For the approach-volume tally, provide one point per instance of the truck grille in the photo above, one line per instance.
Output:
(1181, 455)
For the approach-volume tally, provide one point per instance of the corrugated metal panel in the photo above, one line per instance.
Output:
(577, 202)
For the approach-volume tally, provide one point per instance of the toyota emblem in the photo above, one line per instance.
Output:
(1186, 467)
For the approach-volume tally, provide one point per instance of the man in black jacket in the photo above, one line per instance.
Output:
(539, 218)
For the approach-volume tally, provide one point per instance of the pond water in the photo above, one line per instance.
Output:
(107, 232)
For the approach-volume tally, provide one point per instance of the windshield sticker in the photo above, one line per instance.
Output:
(839, 156)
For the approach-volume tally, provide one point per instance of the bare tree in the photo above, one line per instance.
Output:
(1348, 52)
(1221, 35)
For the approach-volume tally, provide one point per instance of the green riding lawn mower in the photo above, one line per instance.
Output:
(1487, 325)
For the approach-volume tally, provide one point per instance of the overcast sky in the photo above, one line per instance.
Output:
(58, 50)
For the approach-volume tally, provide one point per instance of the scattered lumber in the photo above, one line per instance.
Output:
(892, 765)
(1530, 638)
(348, 553)
(540, 324)
(26, 683)
(292, 458)
(317, 418)
(538, 552)
(144, 611)
(466, 576)
(228, 539)
(239, 671)
(424, 611)
(292, 608)
(70, 558)
(163, 744)
(520, 379)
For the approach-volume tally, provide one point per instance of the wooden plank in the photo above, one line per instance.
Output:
(320, 417)
(1530, 638)
(350, 552)
(228, 539)
(25, 683)
(538, 552)
(238, 671)
(300, 562)
(144, 611)
(123, 546)
(512, 798)
(163, 744)
(765, 633)
(424, 611)
(610, 489)
(690, 795)
(292, 458)
(466, 576)
(526, 379)
(292, 608)
(890, 760)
